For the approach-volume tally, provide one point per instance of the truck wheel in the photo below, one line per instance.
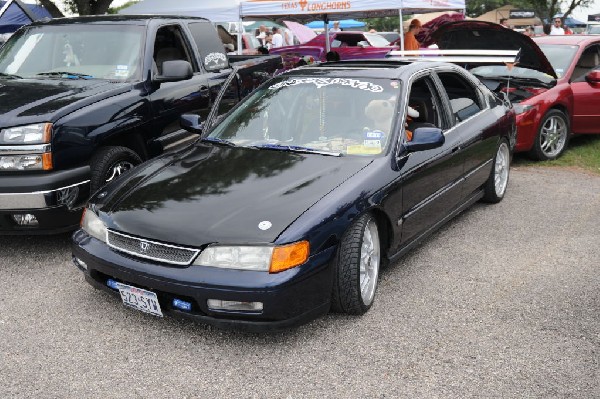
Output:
(109, 163)
(552, 137)
(357, 268)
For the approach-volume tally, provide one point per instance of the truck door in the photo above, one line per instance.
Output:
(171, 99)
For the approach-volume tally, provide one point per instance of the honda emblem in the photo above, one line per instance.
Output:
(144, 245)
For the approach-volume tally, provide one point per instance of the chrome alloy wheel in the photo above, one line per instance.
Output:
(501, 169)
(553, 136)
(117, 170)
(369, 262)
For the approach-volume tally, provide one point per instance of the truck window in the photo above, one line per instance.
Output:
(210, 48)
(169, 45)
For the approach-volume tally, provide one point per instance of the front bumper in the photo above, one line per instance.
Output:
(55, 199)
(289, 298)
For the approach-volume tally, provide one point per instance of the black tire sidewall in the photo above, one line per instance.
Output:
(490, 194)
(105, 159)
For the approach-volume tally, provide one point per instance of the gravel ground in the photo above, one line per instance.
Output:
(504, 301)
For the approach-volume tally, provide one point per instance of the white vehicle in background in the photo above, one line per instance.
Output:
(593, 28)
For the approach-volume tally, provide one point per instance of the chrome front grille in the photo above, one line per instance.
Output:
(151, 249)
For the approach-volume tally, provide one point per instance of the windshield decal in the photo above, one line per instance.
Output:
(218, 59)
(321, 82)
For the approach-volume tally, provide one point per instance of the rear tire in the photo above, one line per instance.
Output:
(552, 137)
(357, 266)
(109, 163)
(495, 186)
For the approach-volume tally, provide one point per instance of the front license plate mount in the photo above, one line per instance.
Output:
(140, 299)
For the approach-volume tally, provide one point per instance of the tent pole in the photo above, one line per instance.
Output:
(401, 30)
(327, 44)
(239, 36)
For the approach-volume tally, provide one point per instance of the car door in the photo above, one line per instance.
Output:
(431, 179)
(474, 131)
(171, 99)
(586, 95)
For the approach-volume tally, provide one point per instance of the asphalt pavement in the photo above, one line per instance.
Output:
(503, 302)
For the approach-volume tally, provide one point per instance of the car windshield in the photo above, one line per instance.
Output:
(593, 29)
(74, 51)
(345, 116)
(560, 57)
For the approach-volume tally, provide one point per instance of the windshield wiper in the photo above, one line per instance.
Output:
(219, 141)
(68, 75)
(10, 76)
(296, 148)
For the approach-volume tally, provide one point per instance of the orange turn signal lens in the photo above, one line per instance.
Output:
(47, 134)
(288, 256)
(47, 161)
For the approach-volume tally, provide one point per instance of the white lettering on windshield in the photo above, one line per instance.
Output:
(321, 82)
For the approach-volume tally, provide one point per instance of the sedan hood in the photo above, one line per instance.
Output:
(216, 194)
(25, 101)
(481, 35)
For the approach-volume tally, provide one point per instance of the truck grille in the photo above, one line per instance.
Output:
(151, 249)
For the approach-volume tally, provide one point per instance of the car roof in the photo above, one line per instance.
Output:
(374, 68)
(124, 19)
(569, 40)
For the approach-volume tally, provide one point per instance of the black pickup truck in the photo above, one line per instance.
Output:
(84, 99)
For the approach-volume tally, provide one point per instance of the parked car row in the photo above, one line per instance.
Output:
(286, 203)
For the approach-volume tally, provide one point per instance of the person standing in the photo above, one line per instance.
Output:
(410, 40)
(504, 22)
(557, 28)
(262, 32)
(277, 37)
(288, 37)
(336, 27)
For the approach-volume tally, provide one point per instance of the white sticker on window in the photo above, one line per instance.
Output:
(321, 82)
(214, 60)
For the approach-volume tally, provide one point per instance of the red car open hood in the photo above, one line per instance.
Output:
(481, 35)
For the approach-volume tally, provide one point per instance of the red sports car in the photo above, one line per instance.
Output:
(555, 86)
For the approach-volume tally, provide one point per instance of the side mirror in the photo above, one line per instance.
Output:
(425, 138)
(191, 123)
(174, 71)
(593, 77)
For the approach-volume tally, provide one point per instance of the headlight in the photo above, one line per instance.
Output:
(522, 108)
(91, 224)
(39, 133)
(26, 162)
(273, 259)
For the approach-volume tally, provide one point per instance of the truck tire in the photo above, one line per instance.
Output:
(109, 163)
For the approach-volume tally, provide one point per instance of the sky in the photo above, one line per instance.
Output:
(579, 13)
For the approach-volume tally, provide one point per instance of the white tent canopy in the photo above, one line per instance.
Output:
(214, 10)
(308, 10)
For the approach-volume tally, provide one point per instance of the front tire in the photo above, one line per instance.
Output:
(495, 186)
(553, 136)
(109, 163)
(357, 266)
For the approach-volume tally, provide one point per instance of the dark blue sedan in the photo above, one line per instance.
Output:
(287, 206)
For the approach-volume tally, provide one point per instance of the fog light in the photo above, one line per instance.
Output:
(26, 219)
(183, 305)
(112, 284)
(80, 264)
(231, 306)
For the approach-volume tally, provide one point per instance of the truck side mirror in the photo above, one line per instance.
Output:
(191, 123)
(174, 71)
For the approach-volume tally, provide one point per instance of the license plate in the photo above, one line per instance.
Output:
(142, 300)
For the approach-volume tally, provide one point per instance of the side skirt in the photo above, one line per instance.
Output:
(476, 196)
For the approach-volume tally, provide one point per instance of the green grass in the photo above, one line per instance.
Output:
(583, 152)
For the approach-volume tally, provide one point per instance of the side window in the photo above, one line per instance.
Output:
(210, 48)
(169, 45)
(424, 109)
(464, 98)
(589, 60)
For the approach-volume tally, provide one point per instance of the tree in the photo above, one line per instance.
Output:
(548, 8)
(81, 7)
